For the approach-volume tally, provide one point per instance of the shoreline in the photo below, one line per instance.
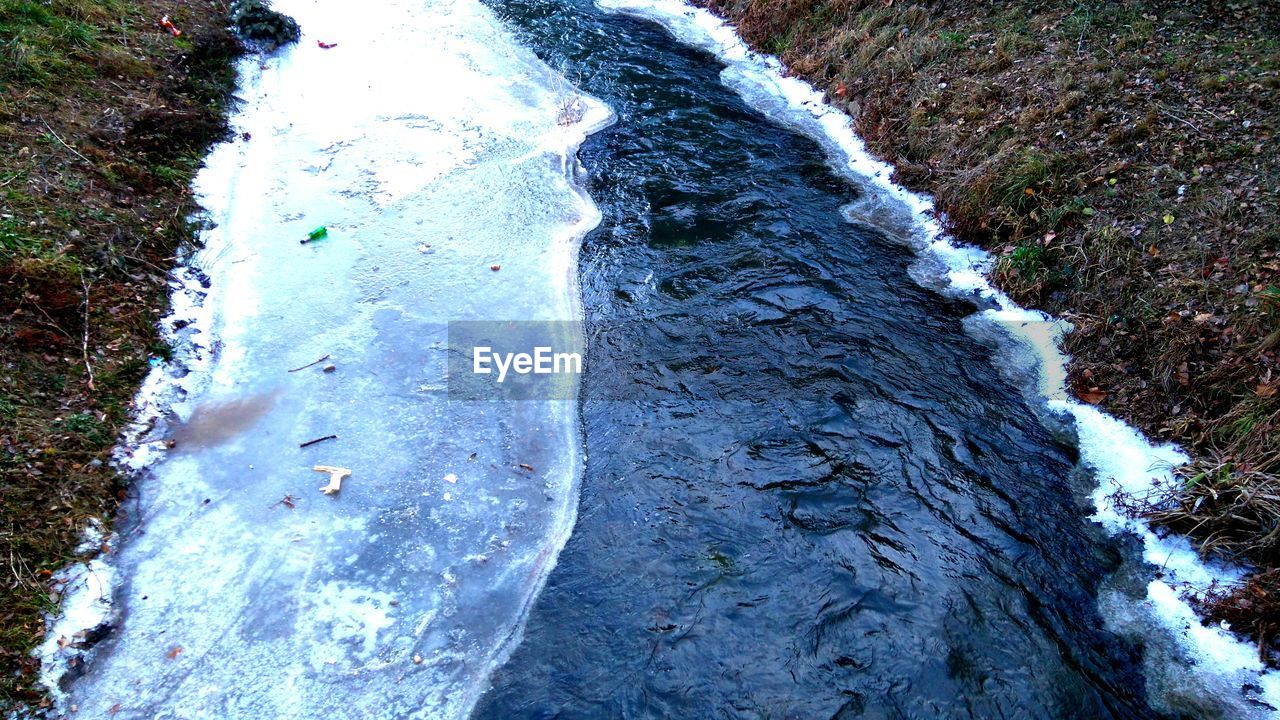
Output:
(104, 119)
(66, 423)
(1059, 142)
(1121, 457)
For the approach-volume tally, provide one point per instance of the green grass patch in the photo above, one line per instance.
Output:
(87, 426)
(1028, 260)
(40, 42)
(1028, 173)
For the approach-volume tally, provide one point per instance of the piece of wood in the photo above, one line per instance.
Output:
(314, 362)
(318, 440)
(336, 474)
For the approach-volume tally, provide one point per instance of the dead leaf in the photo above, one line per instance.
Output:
(1093, 396)
(1183, 375)
(1264, 390)
(114, 709)
(174, 653)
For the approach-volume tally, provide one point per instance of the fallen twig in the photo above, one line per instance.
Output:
(318, 440)
(315, 362)
(49, 317)
(84, 344)
(1184, 121)
(65, 145)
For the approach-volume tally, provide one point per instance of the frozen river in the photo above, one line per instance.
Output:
(432, 148)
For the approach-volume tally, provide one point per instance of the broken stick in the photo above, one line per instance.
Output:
(336, 474)
(318, 440)
(314, 362)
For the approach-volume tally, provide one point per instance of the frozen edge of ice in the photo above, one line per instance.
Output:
(1122, 459)
(88, 585)
(596, 116)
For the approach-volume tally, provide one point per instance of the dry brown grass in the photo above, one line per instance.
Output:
(1235, 513)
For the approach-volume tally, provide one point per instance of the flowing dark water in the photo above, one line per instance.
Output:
(808, 493)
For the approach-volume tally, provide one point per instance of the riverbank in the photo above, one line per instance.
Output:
(105, 116)
(1117, 160)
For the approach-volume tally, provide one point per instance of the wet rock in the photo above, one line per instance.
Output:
(97, 633)
(259, 25)
(76, 649)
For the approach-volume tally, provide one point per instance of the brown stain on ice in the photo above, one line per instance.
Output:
(213, 423)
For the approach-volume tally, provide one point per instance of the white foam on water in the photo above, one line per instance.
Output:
(1121, 458)
(429, 153)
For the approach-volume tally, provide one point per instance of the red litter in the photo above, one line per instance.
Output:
(164, 23)
(326, 45)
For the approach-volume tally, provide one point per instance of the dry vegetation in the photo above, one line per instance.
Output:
(1119, 159)
(104, 118)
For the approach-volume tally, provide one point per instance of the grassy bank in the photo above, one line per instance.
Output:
(1118, 158)
(104, 118)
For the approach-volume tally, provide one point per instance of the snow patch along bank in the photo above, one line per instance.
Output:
(1121, 458)
(86, 608)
